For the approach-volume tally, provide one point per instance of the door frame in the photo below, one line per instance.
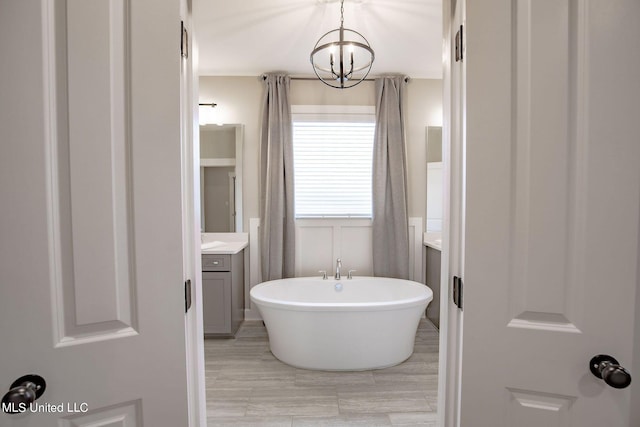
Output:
(451, 318)
(191, 209)
(447, 325)
(451, 321)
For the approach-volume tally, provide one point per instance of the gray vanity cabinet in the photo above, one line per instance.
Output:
(222, 293)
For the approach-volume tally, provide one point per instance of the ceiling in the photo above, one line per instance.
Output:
(250, 37)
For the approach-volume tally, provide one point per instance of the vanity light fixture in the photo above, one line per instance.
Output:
(342, 58)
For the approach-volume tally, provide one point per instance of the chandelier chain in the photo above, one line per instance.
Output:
(342, 13)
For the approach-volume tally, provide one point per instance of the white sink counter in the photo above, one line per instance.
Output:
(433, 240)
(224, 243)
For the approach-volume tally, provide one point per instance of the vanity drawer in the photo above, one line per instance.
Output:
(216, 262)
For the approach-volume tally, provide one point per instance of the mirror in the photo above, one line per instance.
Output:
(434, 179)
(221, 178)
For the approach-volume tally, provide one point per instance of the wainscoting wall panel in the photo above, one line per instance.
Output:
(347, 239)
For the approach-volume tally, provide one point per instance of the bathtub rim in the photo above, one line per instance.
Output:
(340, 307)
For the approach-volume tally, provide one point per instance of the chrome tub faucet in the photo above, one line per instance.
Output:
(338, 267)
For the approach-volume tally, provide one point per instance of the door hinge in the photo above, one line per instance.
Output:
(187, 295)
(457, 291)
(184, 41)
(460, 44)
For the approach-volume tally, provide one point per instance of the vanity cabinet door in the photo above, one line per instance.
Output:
(237, 291)
(433, 257)
(216, 295)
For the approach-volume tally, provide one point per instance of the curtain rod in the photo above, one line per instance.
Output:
(371, 79)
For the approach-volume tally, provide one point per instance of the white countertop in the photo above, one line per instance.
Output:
(223, 243)
(433, 240)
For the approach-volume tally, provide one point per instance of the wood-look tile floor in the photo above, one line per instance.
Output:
(247, 386)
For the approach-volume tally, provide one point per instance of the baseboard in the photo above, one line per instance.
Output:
(252, 314)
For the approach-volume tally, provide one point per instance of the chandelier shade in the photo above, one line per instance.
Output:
(342, 58)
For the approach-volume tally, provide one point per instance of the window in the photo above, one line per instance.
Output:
(332, 156)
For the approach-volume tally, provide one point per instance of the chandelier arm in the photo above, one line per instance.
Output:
(331, 62)
(327, 70)
(334, 74)
(350, 65)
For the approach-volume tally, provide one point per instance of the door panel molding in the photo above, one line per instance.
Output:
(126, 414)
(89, 159)
(549, 155)
(531, 409)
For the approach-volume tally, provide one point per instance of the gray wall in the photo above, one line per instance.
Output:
(239, 100)
(434, 144)
(218, 143)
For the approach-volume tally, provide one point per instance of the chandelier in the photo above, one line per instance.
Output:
(342, 58)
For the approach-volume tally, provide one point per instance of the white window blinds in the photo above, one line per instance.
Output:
(332, 165)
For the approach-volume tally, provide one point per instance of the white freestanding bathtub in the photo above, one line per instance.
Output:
(349, 324)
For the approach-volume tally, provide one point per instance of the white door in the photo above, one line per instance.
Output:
(552, 196)
(91, 294)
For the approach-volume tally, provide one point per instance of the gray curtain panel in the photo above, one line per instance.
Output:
(276, 173)
(390, 218)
